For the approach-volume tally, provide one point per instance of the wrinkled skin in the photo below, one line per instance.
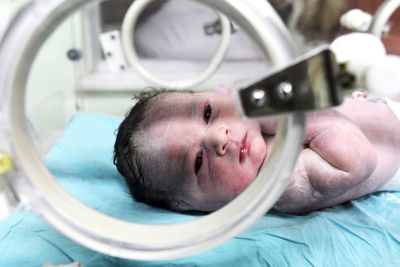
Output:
(349, 151)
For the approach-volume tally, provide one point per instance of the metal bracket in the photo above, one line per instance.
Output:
(311, 82)
(111, 44)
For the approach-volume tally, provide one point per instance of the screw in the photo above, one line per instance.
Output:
(73, 54)
(258, 97)
(284, 90)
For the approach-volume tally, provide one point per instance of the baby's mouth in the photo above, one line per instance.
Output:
(244, 149)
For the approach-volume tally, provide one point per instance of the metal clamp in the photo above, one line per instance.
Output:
(311, 82)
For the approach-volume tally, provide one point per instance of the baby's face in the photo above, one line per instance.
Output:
(200, 143)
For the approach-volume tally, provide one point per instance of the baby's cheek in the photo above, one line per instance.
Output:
(237, 183)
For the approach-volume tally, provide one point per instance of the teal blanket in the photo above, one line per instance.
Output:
(363, 232)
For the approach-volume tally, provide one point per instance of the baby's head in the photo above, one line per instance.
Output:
(188, 151)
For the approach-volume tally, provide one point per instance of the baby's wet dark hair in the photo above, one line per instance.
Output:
(133, 162)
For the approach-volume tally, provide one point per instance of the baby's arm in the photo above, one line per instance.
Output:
(336, 157)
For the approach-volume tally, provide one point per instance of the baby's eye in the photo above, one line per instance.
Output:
(207, 113)
(198, 161)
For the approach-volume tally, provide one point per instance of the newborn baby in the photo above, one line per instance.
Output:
(189, 151)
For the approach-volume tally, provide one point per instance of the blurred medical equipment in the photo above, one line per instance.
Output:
(365, 56)
(296, 85)
(128, 29)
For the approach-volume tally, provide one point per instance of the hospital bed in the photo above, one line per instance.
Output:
(363, 231)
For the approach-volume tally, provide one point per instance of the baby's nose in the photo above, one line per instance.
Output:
(218, 139)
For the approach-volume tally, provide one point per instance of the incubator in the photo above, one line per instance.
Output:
(284, 75)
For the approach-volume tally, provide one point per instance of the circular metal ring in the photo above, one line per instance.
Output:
(37, 187)
(127, 32)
